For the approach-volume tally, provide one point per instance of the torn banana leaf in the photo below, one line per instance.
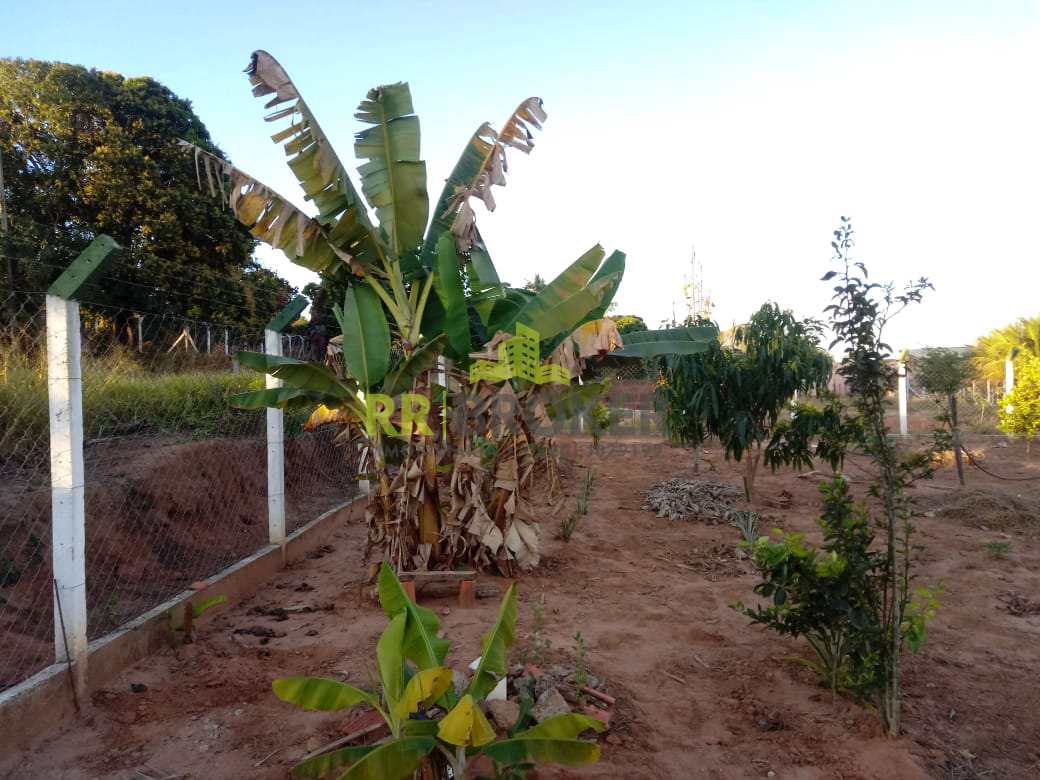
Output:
(319, 170)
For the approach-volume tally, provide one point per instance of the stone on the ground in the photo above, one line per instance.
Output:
(459, 681)
(549, 704)
(504, 712)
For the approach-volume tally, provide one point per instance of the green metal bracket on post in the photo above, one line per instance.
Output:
(286, 316)
(88, 265)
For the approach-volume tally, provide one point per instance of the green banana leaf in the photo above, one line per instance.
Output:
(447, 281)
(554, 740)
(422, 359)
(394, 178)
(390, 657)
(484, 282)
(495, 645)
(396, 759)
(483, 274)
(569, 283)
(299, 374)
(419, 728)
(319, 693)
(323, 765)
(647, 344)
(504, 312)
(366, 335)
(613, 266)
(421, 644)
(282, 398)
(569, 313)
(313, 160)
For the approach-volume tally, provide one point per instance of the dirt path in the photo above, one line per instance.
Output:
(701, 693)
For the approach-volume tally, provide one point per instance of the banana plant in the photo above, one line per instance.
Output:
(402, 258)
(393, 265)
(427, 719)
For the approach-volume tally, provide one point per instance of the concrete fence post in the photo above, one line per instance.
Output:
(276, 424)
(904, 423)
(68, 510)
(1009, 378)
(275, 451)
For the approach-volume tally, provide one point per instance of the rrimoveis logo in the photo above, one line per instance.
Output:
(517, 357)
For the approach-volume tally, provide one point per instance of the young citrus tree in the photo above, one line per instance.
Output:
(943, 372)
(858, 316)
(1020, 411)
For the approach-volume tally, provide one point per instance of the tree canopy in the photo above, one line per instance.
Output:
(996, 346)
(738, 393)
(628, 323)
(88, 152)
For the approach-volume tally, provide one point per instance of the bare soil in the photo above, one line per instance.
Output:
(701, 693)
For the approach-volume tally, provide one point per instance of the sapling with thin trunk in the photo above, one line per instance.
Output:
(858, 315)
(943, 372)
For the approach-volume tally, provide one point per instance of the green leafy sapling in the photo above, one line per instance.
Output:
(430, 724)
(943, 372)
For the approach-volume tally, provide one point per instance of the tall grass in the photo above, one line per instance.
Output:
(120, 396)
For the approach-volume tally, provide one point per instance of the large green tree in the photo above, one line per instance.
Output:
(88, 152)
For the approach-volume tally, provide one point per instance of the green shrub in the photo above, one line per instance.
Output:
(829, 595)
(1020, 409)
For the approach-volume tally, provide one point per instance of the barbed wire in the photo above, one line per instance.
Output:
(188, 295)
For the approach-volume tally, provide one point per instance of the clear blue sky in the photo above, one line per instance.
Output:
(744, 128)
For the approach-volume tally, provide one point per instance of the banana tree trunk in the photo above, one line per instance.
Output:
(430, 510)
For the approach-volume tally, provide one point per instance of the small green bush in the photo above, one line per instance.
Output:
(834, 595)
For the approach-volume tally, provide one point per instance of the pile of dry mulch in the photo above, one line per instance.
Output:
(692, 499)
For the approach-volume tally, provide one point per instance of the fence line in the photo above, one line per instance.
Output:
(138, 473)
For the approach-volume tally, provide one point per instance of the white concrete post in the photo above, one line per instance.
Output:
(364, 485)
(904, 426)
(68, 517)
(209, 341)
(227, 342)
(275, 452)
(581, 412)
(140, 333)
(1009, 380)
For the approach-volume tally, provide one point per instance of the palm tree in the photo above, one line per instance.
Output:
(997, 346)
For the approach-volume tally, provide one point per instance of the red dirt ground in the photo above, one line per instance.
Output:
(701, 692)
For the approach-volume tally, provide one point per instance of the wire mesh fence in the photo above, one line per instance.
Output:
(175, 476)
(26, 612)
